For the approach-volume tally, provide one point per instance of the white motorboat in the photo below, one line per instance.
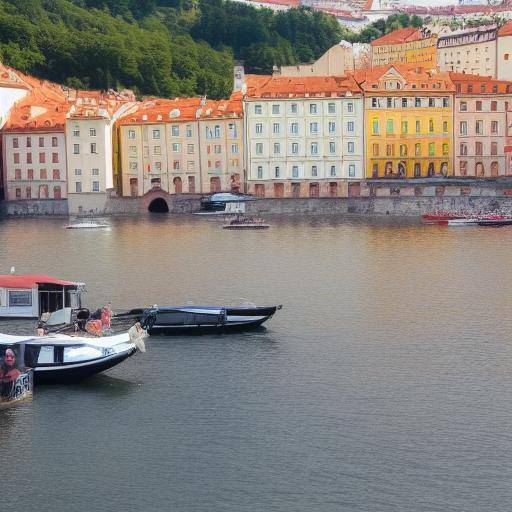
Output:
(88, 225)
(64, 358)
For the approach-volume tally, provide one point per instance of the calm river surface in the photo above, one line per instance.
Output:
(384, 384)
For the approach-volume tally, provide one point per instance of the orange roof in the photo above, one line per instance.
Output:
(400, 36)
(416, 78)
(44, 108)
(11, 79)
(477, 84)
(299, 87)
(157, 110)
(97, 104)
(506, 30)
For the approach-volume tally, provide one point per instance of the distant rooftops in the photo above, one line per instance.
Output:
(294, 86)
(401, 36)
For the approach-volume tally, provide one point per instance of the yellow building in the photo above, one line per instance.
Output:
(407, 45)
(408, 122)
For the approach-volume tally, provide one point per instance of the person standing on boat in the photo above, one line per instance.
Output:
(106, 318)
(8, 372)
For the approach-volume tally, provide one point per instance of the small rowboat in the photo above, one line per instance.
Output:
(87, 225)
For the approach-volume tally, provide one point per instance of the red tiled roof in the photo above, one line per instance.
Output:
(153, 111)
(479, 84)
(416, 78)
(44, 108)
(506, 30)
(294, 86)
(399, 36)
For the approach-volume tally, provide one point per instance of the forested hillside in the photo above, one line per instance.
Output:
(156, 47)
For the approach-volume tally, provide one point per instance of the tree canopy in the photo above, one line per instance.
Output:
(156, 47)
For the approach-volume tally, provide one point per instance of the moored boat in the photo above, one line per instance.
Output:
(495, 221)
(441, 216)
(63, 358)
(88, 225)
(463, 222)
(205, 319)
(241, 222)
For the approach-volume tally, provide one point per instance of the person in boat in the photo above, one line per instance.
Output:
(8, 372)
(106, 318)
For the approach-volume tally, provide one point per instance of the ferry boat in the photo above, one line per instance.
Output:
(16, 380)
(205, 319)
(31, 295)
(60, 358)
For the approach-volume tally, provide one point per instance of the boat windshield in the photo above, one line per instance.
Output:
(59, 317)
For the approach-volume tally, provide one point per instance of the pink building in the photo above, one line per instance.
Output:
(480, 126)
(34, 146)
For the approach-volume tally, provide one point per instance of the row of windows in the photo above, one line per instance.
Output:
(95, 186)
(92, 132)
(313, 128)
(28, 142)
(410, 102)
(479, 127)
(279, 172)
(42, 158)
(400, 169)
(94, 172)
(93, 149)
(314, 148)
(211, 133)
(479, 106)
(43, 192)
(19, 174)
(314, 108)
(479, 149)
(176, 148)
(190, 165)
(404, 149)
(404, 126)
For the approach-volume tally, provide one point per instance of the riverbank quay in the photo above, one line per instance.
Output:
(379, 197)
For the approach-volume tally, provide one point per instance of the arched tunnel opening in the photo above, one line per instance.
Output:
(158, 205)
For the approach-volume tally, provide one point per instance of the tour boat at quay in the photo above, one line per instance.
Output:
(441, 216)
(60, 358)
(205, 320)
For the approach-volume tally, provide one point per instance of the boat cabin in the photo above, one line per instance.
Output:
(29, 296)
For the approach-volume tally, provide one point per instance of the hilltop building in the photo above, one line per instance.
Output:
(407, 45)
(504, 52)
(304, 136)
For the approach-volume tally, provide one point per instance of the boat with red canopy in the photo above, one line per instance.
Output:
(31, 295)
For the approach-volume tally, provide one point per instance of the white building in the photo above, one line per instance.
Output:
(304, 135)
(89, 138)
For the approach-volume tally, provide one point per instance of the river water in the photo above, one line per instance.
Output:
(384, 384)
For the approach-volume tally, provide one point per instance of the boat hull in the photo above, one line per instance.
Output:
(75, 372)
(201, 321)
(495, 222)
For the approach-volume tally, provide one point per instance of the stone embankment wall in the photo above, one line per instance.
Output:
(375, 206)
(34, 208)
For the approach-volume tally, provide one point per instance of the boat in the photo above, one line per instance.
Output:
(61, 358)
(241, 222)
(441, 216)
(16, 380)
(31, 295)
(88, 225)
(223, 202)
(495, 221)
(472, 221)
(205, 319)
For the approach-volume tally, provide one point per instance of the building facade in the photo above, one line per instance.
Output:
(34, 146)
(480, 129)
(504, 52)
(304, 136)
(336, 61)
(406, 45)
(408, 120)
(471, 50)
(89, 147)
(181, 146)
